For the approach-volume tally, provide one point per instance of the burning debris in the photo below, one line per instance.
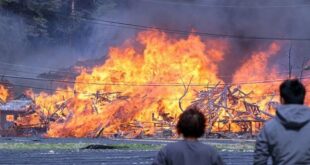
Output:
(141, 93)
(16, 114)
(228, 111)
(11, 118)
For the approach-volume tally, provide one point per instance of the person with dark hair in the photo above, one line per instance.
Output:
(286, 137)
(190, 150)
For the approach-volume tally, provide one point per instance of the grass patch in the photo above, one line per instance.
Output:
(235, 147)
(138, 146)
(75, 146)
(229, 147)
(41, 146)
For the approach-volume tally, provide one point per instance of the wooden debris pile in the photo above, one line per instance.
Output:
(11, 114)
(228, 110)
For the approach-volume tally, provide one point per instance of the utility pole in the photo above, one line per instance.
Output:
(72, 14)
(72, 7)
(289, 62)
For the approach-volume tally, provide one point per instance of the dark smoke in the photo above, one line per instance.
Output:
(264, 18)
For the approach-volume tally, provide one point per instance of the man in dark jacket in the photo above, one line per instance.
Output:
(286, 138)
(189, 151)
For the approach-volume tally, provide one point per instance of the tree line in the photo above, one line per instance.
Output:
(50, 21)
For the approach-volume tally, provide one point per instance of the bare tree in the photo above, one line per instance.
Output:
(186, 87)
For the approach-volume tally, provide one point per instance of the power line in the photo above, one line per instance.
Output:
(18, 71)
(36, 67)
(38, 73)
(36, 87)
(89, 94)
(146, 83)
(25, 66)
(175, 31)
(227, 6)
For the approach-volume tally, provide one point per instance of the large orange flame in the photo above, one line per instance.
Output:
(141, 82)
(149, 79)
(256, 71)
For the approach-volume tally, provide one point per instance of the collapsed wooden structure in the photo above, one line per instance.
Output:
(228, 111)
(11, 111)
(226, 107)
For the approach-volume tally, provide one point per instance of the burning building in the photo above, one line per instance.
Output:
(230, 65)
(140, 91)
(10, 112)
(14, 115)
(143, 85)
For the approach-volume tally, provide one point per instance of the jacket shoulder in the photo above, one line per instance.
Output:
(271, 124)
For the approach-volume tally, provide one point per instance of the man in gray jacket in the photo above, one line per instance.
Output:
(286, 138)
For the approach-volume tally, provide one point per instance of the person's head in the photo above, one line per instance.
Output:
(292, 92)
(192, 123)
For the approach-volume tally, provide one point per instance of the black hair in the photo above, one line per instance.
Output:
(292, 92)
(192, 123)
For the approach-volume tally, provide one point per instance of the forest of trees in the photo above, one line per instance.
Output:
(53, 20)
(37, 23)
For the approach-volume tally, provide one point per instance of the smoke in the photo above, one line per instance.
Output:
(12, 35)
(266, 18)
(16, 50)
(19, 58)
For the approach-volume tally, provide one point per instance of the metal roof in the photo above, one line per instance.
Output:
(22, 105)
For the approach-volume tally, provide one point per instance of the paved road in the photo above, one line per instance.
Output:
(106, 157)
(103, 157)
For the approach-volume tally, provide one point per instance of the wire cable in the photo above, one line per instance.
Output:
(227, 6)
(147, 83)
(94, 94)
(51, 72)
(175, 31)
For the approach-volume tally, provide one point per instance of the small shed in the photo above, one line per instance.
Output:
(15, 108)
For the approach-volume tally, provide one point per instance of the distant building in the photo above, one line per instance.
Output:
(10, 111)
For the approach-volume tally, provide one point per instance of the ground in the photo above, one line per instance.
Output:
(70, 151)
